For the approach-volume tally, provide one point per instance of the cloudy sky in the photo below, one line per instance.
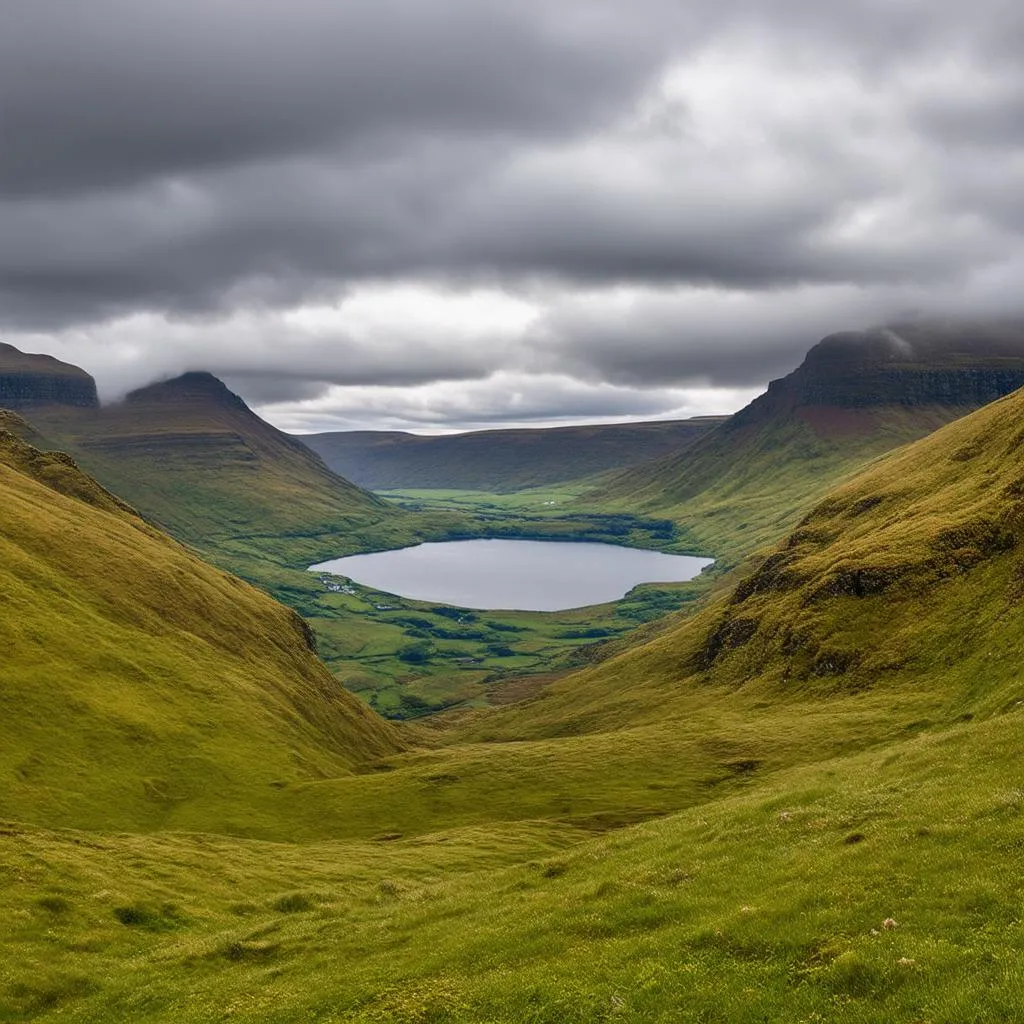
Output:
(436, 214)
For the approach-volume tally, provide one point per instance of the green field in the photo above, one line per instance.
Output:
(767, 905)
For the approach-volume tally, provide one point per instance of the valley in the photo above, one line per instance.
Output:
(785, 790)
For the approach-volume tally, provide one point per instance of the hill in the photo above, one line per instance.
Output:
(141, 687)
(28, 380)
(904, 579)
(499, 461)
(855, 396)
(197, 461)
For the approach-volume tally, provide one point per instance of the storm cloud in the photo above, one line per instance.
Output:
(390, 212)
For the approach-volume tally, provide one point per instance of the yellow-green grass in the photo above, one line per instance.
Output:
(831, 744)
(770, 905)
(141, 687)
(742, 487)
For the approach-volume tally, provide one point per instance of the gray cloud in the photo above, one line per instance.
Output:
(108, 93)
(175, 177)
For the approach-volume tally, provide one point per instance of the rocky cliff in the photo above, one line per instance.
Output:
(960, 365)
(28, 381)
(856, 395)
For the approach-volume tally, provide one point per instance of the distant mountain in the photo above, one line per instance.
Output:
(194, 458)
(141, 687)
(28, 380)
(500, 460)
(855, 396)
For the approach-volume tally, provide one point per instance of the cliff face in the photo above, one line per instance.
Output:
(910, 366)
(855, 396)
(27, 381)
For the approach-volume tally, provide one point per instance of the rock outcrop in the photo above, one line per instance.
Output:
(28, 381)
(957, 364)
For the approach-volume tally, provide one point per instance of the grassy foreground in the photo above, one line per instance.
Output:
(870, 888)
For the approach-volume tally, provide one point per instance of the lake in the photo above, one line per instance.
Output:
(525, 575)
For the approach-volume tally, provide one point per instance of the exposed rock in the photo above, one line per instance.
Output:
(28, 380)
(729, 634)
(955, 364)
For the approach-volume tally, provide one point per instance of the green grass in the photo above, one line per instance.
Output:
(766, 905)
(141, 687)
(546, 502)
(407, 658)
(746, 485)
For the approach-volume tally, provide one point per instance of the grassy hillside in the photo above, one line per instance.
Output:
(499, 460)
(856, 396)
(903, 577)
(196, 460)
(142, 688)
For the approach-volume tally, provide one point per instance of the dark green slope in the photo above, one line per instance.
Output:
(140, 687)
(856, 396)
(499, 460)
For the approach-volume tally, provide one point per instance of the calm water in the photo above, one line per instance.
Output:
(529, 575)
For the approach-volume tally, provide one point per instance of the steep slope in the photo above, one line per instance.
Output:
(193, 457)
(140, 687)
(500, 460)
(907, 580)
(855, 396)
(28, 380)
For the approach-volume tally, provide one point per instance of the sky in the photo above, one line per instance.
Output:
(452, 214)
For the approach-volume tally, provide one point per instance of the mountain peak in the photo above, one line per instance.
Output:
(958, 364)
(33, 379)
(193, 386)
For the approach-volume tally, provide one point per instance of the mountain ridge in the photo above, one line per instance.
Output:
(855, 396)
(499, 460)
